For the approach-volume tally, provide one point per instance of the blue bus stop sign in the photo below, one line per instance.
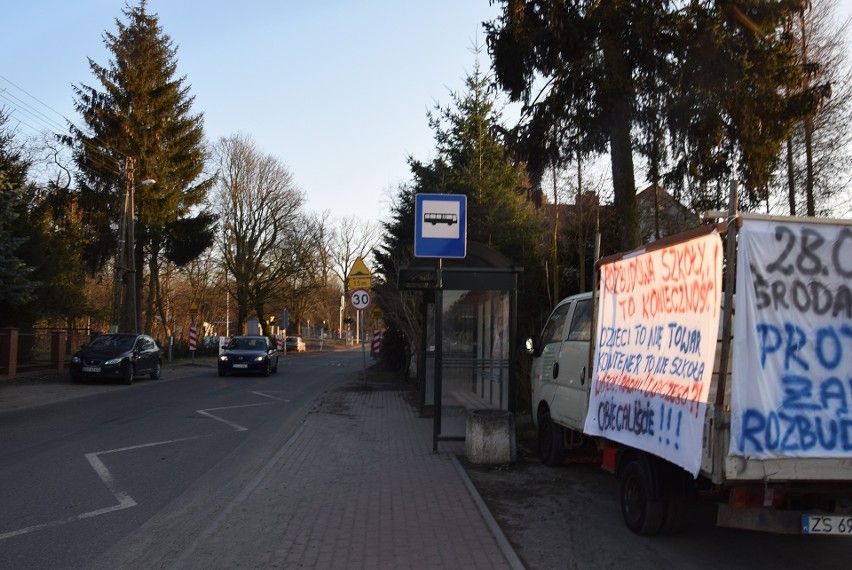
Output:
(440, 225)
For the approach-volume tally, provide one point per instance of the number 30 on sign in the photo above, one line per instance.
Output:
(359, 299)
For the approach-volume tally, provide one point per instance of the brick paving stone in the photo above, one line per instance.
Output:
(357, 487)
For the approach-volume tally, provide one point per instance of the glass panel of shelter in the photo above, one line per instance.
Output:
(475, 369)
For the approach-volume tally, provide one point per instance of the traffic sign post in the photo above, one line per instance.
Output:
(360, 299)
(376, 313)
(193, 339)
(193, 331)
(440, 225)
(440, 230)
(359, 276)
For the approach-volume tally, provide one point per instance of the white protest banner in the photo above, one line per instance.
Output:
(792, 371)
(657, 323)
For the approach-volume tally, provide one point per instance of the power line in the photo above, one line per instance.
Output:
(30, 110)
(21, 108)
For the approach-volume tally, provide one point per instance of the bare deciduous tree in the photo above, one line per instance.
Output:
(258, 205)
(817, 156)
(353, 238)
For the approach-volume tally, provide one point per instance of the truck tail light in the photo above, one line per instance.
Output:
(757, 496)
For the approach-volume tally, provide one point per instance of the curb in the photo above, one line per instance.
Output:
(502, 542)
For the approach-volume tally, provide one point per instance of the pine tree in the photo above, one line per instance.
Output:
(141, 118)
(707, 79)
(472, 160)
(16, 281)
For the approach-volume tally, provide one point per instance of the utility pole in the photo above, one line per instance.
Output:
(125, 314)
(122, 259)
(130, 322)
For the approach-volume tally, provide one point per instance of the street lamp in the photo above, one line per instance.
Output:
(226, 250)
(131, 259)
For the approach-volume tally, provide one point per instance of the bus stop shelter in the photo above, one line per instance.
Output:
(468, 343)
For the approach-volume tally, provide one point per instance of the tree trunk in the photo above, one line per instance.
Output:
(151, 304)
(809, 128)
(809, 176)
(791, 179)
(621, 147)
(242, 309)
(555, 238)
(261, 319)
(581, 229)
(139, 254)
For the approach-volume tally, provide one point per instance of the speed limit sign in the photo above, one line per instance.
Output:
(359, 299)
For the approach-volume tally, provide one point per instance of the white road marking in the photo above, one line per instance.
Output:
(125, 501)
(265, 395)
(238, 427)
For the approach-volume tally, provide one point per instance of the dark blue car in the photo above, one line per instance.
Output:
(119, 356)
(248, 355)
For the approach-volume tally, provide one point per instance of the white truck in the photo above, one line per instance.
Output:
(771, 435)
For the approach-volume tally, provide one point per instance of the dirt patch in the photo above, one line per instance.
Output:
(378, 380)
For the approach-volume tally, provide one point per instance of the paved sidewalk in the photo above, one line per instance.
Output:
(356, 487)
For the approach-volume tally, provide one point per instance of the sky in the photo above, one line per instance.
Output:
(337, 90)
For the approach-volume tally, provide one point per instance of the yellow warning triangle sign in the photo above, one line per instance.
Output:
(359, 269)
(359, 276)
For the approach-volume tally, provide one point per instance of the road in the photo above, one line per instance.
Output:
(148, 472)
(77, 476)
(569, 517)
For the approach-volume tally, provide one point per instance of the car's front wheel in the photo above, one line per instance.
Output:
(157, 371)
(550, 448)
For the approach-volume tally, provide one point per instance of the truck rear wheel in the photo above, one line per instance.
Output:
(642, 512)
(676, 509)
(550, 449)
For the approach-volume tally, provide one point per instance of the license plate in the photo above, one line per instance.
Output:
(91, 369)
(827, 524)
(240, 365)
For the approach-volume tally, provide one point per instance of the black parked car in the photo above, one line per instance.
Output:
(248, 354)
(120, 356)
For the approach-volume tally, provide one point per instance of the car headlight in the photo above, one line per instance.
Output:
(259, 358)
(112, 361)
(76, 359)
(223, 358)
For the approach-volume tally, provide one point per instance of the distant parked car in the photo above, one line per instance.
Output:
(248, 354)
(119, 356)
(295, 343)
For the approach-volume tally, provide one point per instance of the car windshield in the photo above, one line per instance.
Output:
(113, 341)
(247, 344)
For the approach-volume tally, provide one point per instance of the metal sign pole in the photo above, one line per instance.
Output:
(439, 355)
(363, 349)
(192, 327)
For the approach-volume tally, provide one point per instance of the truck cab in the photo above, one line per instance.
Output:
(560, 377)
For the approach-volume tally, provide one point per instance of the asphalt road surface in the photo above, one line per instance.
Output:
(76, 476)
(79, 478)
(569, 517)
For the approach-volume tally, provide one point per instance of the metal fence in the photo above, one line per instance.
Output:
(33, 351)
(35, 346)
